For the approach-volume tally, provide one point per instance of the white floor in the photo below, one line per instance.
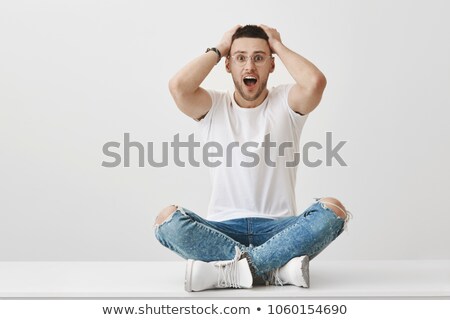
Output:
(343, 279)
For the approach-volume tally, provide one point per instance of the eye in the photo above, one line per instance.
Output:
(240, 58)
(258, 58)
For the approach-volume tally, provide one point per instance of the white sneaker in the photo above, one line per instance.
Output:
(295, 272)
(202, 275)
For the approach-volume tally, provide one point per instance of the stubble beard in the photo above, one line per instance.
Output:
(249, 97)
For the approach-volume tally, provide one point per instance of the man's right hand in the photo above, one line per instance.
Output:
(184, 86)
(225, 44)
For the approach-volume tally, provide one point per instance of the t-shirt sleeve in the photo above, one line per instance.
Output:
(205, 123)
(215, 97)
(297, 119)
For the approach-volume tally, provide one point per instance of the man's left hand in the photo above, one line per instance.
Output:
(274, 37)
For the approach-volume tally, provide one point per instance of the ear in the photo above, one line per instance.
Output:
(227, 64)
(272, 64)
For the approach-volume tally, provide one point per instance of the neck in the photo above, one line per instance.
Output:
(243, 103)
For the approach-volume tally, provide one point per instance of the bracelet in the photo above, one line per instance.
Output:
(219, 55)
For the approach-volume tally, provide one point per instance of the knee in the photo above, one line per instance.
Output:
(164, 214)
(336, 206)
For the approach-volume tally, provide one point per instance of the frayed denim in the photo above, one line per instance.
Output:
(267, 243)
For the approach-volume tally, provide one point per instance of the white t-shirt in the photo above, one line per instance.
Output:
(242, 187)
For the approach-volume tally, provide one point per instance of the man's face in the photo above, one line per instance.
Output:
(250, 79)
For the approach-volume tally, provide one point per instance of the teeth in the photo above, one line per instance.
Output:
(250, 78)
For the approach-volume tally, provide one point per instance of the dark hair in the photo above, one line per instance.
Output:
(250, 31)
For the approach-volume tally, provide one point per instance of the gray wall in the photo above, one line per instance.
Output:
(75, 75)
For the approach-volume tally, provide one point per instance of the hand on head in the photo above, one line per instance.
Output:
(225, 44)
(274, 36)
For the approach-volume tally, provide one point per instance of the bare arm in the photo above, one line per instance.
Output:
(185, 88)
(306, 94)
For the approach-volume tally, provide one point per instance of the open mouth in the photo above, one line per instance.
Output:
(250, 81)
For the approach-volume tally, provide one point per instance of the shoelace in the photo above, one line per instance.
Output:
(275, 277)
(228, 272)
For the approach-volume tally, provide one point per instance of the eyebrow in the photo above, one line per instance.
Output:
(254, 52)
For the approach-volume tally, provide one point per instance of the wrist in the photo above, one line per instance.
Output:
(276, 47)
(216, 52)
(223, 49)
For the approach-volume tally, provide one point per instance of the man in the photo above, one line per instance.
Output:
(252, 232)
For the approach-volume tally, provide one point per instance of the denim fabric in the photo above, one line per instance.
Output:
(267, 243)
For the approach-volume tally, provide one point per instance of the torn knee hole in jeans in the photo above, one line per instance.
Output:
(347, 214)
(169, 217)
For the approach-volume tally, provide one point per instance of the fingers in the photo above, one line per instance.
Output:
(225, 43)
(229, 33)
(234, 29)
(266, 28)
(273, 34)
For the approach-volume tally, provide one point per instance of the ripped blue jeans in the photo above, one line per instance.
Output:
(267, 243)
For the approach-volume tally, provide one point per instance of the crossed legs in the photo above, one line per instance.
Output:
(193, 237)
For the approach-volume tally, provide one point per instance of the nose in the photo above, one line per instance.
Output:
(249, 64)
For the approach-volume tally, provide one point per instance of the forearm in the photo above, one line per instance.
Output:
(185, 88)
(190, 77)
(305, 73)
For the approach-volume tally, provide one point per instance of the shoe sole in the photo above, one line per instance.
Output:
(188, 276)
(305, 271)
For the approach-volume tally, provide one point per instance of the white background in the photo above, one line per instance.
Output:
(77, 74)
